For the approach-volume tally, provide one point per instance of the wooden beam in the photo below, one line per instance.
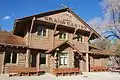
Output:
(90, 36)
(2, 71)
(29, 33)
(87, 62)
(53, 41)
(27, 57)
(38, 61)
(11, 56)
(55, 29)
(87, 57)
(75, 32)
(17, 58)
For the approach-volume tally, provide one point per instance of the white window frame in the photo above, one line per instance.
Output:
(42, 31)
(63, 58)
(11, 58)
(80, 37)
(62, 32)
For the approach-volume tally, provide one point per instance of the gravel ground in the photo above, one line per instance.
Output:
(85, 76)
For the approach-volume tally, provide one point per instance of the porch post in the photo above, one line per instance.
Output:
(87, 63)
(87, 57)
(27, 57)
(56, 58)
(38, 61)
(3, 63)
(53, 39)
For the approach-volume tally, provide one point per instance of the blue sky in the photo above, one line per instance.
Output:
(11, 9)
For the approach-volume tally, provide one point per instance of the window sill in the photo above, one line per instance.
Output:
(43, 37)
(63, 39)
(11, 64)
(63, 65)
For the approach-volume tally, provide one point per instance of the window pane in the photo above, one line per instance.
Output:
(43, 58)
(60, 36)
(14, 58)
(39, 31)
(63, 35)
(44, 32)
(65, 60)
(61, 60)
(7, 57)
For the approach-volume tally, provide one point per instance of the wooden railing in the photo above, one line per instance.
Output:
(21, 71)
(66, 71)
(98, 68)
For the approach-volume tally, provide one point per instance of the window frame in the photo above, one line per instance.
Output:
(11, 57)
(79, 38)
(64, 35)
(63, 55)
(41, 57)
(40, 31)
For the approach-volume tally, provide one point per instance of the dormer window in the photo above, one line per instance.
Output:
(42, 32)
(63, 35)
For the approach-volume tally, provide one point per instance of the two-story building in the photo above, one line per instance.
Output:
(50, 40)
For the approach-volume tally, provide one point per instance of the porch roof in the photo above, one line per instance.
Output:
(69, 43)
(97, 50)
(94, 50)
(7, 38)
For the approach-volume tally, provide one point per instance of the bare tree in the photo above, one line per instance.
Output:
(111, 22)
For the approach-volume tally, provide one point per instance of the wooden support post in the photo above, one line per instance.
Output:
(27, 57)
(55, 29)
(87, 62)
(11, 57)
(17, 58)
(90, 35)
(54, 34)
(38, 61)
(2, 71)
(75, 31)
(87, 57)
(29, 33)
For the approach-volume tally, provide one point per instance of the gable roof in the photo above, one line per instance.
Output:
(7, 38)
(58, 11)
(67, 42)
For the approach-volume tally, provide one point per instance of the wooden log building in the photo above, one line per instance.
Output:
(54, 42)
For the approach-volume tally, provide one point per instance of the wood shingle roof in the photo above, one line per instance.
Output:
(7, 38)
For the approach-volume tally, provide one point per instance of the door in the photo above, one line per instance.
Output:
(77, 60)
(33, 60)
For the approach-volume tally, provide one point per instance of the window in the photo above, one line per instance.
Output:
(63, 59)
(10, 57)
(42, 31)
(78, 38)
(63, 35)
(43, 58)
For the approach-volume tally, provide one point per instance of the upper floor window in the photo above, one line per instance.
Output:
(42, 31)
(63, 58)
(79, 38)
(63, 35)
